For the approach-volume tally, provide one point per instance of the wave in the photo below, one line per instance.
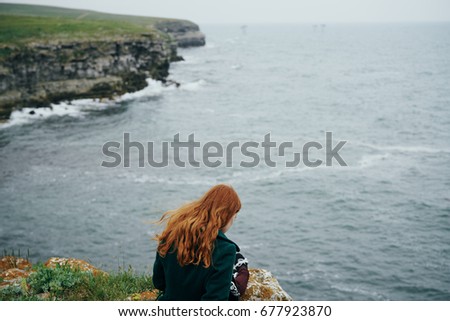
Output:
(77, 109)
(210, 45)
(30, 114)
(237, 67)
(368, 294)
(193, 86)
(154, 88)
(80, 107)
(370, 160)
(188, 59)
(175, 181)
(236, 177)
(268, 175)
(406, 149)
(264, 175)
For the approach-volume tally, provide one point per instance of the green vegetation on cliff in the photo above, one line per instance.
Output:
(26, 23)
(67, 283)
(22, 29)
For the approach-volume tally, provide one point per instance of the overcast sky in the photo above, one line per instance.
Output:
(269, 11)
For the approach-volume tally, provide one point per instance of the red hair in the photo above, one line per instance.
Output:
(192, 229)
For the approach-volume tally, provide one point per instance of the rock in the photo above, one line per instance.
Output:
(170, 82)
(9, 262)
(185, 33)
(44, 296)
(73, 263)
(262, 286)
(144, 296)
(13, 276)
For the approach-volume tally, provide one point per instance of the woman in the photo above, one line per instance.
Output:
(194, 259)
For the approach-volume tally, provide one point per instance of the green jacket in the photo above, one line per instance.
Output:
(195, 282)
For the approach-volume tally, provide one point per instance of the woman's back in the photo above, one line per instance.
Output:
(195, 282)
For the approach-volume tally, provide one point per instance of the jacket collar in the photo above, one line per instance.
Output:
(222, 236)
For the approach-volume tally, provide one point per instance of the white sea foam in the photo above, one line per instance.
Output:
(30, 114)
(79, 108)
(154, 88)
(188, 59)
(232, 40)
(193, 86)
(236, 177)
(252, 246)
(210, 45)
(76, 109)
(174, 181)
(209, 110)
(407, 149)
(87, 104)
(371, 160)
(251, 176)
(367, 293)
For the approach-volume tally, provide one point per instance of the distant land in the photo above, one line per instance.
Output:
(51, 54)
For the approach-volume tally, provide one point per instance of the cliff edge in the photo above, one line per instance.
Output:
(18, 280)
(50, 54)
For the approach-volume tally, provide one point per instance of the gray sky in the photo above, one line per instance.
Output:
(273, 11)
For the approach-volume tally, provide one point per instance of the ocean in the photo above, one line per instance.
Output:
(373, 227)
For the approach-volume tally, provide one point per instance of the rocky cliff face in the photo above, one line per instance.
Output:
(38, 74)
(185, 33)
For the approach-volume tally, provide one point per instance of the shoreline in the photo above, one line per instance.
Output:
(45, 71)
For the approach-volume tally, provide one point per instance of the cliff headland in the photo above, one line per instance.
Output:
(51, 54)
(74, 279)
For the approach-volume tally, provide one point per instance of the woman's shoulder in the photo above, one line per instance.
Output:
(224, 242)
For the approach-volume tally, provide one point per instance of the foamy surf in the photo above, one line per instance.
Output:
(174, 180)
(210, 45)
(406, 149)
(232, 178)
(193, 86)
(154, 88)
(77, 109)
(371, 160)
(29, 114)
(80, 107)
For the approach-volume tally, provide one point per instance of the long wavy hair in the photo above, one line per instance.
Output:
(192, 229)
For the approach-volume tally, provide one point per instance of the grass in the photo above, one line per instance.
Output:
(21, 24)
(23, 29)
(66, 283)
(79, 14)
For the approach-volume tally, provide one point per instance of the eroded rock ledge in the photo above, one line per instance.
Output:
(185, 33)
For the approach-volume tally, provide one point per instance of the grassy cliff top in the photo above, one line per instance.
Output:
(21, 24)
